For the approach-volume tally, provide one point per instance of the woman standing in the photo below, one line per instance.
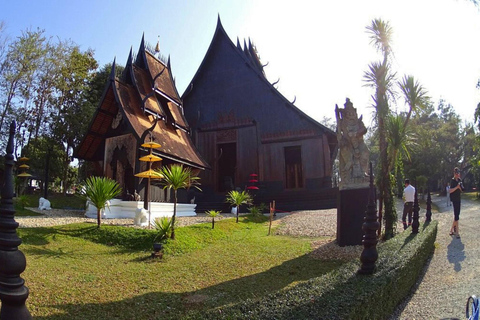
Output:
(456, 188)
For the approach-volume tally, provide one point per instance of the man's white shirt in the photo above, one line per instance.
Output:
(409, 193)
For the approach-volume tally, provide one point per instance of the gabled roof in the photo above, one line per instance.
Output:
(251, 58)
(140, 99)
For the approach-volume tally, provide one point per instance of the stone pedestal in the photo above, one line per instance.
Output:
(351, 207)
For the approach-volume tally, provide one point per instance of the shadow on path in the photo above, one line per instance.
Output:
(456, 253)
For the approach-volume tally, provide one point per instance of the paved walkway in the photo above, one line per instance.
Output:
(453, 272)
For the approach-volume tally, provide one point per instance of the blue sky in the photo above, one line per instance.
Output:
(318, 49)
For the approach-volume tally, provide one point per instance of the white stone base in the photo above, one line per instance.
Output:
(119, 209)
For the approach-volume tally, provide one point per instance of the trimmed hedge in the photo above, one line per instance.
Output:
(343, 294)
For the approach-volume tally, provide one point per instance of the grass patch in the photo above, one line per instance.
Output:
(81, 272)
(473, 196)
(57, 201)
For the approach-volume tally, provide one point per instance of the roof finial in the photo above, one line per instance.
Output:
(157, 47)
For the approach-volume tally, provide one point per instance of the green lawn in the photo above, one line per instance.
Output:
(80, 272)
(471, 195)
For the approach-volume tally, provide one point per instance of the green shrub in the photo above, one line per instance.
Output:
(257, 210)
(343, 294)
(163, 226)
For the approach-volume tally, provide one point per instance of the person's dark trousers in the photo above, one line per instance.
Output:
(456, 210)
(407, 210)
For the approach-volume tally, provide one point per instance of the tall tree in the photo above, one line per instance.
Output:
(21, 61)
(69, 117)
(380, 77)
(414, 94)
(438, 147)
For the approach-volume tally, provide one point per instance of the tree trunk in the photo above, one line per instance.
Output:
(99, 217)
(174, 213)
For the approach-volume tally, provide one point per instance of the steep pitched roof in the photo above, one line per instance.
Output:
(140, 99)
(251, 58)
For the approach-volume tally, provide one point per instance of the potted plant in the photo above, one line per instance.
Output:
(236, 199)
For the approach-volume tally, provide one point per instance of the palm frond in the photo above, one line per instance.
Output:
(237, 198)
(414, 94)
(100, 189)
(178, 177)
(380, 35)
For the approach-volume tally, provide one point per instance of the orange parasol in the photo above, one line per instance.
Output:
(24, 175)
(152, 174)
(150, 158)
(151, 144)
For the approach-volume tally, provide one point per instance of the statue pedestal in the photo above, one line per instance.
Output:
(351, 208)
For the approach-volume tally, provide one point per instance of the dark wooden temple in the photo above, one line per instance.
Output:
(242, 125)
(141, 106)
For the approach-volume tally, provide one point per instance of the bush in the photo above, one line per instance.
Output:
(343, 294)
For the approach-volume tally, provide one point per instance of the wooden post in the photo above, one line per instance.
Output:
(271, 218)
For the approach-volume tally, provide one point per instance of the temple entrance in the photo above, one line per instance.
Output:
(226, 167)
(123, 171)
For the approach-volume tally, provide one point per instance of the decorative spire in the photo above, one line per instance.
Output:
(112, 72)
(130, 57)
(13, 292)
(428, 214)
(157, 47)
(369, 254)
(416, 209)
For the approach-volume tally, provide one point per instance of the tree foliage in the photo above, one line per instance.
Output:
(177, 177)
(44, 85)
(99, 190)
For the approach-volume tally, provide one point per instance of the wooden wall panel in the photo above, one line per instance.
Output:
(313, 159)
(206, 145)
(247, 154)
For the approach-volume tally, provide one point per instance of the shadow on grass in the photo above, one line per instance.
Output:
(411, 236)
(36, 236)
(162, 305)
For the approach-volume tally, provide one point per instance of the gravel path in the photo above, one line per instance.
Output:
(450, 276)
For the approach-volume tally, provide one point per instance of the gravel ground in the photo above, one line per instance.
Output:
(450, 276)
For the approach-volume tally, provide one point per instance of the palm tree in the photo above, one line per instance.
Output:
(99, 190)
(177, 177)
(400, 140)
(236, 199)
(414, 95)
(381, 79)
(212, 214)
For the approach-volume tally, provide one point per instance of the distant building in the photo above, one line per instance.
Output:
(242, 125)
(128, 109)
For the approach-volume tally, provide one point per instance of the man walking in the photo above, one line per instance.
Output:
(408, 197)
